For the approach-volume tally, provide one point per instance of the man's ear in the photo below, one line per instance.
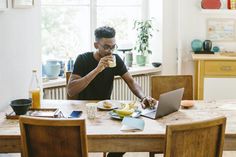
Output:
(95, 45)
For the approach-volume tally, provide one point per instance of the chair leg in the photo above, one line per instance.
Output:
(151, 154)
(104, 154)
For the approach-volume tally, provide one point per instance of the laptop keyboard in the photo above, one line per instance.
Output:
(151, 114)
(148, 110)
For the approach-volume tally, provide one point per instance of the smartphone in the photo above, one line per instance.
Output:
(75, 114)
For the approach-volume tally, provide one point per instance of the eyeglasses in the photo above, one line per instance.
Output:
(107, 47)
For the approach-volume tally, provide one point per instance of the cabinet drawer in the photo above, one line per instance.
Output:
(223, 68)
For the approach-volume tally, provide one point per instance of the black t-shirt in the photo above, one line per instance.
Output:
(101, 86)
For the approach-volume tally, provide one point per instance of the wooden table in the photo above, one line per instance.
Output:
(104, 133)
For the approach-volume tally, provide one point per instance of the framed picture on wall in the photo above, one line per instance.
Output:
(221, 30)
(22, 3)
(3, 4)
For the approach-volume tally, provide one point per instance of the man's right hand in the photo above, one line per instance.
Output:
(103, 63)
(148, 102)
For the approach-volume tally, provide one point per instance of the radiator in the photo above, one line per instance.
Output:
(55, 93)
(120, 89)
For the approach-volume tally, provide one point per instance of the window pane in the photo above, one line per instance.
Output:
(65, 31)
(122, 19)
(119, 2)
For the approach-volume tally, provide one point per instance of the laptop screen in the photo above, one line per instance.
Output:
(169, 102)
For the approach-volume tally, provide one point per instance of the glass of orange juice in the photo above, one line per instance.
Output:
(35, 95)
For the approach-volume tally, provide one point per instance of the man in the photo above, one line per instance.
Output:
(92, 78)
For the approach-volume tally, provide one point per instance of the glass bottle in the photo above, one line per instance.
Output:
(34, 90)
(70, 65)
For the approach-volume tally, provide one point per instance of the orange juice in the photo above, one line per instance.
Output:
(35, 95)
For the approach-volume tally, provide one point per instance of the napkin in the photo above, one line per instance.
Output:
(132, 124)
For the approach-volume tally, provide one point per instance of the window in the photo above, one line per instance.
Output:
(65, 28)
(119, 14)
(68, 25)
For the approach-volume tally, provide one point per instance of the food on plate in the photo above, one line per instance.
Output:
(107, 104)
(123, 113)
(126, 109)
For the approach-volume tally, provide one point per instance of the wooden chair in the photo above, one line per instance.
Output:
(68, 73)
(199, 139)
(48, 137)
(161, 84)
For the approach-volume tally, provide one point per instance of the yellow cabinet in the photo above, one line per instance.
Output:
(211, 66)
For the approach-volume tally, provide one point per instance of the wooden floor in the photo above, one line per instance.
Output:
(226, 154)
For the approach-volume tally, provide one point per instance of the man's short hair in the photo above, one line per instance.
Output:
(104, 32)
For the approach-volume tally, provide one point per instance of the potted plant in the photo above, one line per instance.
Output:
(144, 30)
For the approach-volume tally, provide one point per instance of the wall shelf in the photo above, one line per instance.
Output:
(219, 11)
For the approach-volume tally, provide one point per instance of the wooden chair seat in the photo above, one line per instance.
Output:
(199, 139)
(48, 137)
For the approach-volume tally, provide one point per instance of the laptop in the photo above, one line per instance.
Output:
(168, 103)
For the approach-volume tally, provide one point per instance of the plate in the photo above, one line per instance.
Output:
(115, 105)
(136, 114)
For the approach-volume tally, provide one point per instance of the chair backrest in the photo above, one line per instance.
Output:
(48, 137)
(162, 84)
(68, 73)
(199, 139)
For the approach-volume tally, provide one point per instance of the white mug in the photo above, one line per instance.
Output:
(112, 63)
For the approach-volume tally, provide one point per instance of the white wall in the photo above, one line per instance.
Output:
(194, 27)
(19, 51)
(170, 27)
(156, 44)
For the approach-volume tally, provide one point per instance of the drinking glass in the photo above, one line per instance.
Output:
(91, 110)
